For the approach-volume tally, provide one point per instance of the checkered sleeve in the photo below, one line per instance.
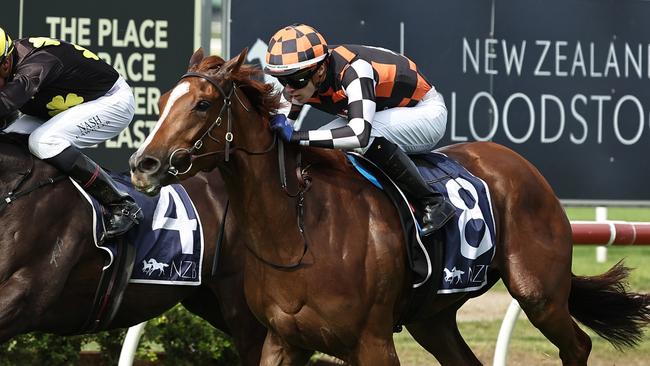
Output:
(294, 112)
(359, 83)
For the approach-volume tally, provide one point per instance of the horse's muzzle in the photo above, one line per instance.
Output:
(145, 173)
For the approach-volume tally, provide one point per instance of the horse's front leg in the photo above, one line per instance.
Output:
(279, 353)
(16, 309)
(373, 350)
(28, 292)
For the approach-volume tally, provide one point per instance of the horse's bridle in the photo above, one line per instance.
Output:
(303, 178)
(198, 144)
(226, 107)
(18, 190)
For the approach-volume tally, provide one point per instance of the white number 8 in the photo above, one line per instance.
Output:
(474, 213)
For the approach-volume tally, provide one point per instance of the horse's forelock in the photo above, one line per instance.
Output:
(210, 65)
(264, 99)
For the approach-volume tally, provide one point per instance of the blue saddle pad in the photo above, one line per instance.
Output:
(470, 235)
(169, 241)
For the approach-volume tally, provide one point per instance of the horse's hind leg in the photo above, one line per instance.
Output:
(551, 316)
(440, 336)
(538, 276)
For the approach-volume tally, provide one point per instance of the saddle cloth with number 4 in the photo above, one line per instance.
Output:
(470, 235)
(169, 240)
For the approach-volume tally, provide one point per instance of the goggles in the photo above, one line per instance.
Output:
(299, 79)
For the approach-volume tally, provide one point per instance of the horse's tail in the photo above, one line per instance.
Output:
(604, 304)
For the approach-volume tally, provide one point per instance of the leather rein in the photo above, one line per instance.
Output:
(16, 191)
(304, 180)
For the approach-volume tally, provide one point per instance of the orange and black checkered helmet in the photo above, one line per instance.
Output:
(6, 45)
(294, 48)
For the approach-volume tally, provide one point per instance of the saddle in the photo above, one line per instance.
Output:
(456, 258)
(116, 272)
(424, 254)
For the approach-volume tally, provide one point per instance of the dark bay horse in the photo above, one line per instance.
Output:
(50, 267)
(340, 285)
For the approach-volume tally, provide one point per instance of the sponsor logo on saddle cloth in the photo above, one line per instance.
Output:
(169, 241)
(470, 235)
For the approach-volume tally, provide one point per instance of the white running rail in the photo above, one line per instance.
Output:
(130, 345)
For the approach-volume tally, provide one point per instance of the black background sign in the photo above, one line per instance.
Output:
(563, 83)
(148, 43)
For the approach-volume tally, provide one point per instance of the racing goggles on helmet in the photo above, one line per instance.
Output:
(299, 79)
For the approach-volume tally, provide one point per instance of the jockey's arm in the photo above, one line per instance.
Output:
(359, 85)
(289, 107)
(27, 79)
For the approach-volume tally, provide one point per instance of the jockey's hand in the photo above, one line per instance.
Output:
(281, 126)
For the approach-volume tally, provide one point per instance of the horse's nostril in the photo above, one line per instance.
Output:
(149, 165)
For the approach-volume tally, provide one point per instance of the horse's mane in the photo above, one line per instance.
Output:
(263, 97)
(14, 157)
(266, 101)
(14, 139)
(14, 144)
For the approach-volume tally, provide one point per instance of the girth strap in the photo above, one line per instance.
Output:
(217, 249)
(111, 287)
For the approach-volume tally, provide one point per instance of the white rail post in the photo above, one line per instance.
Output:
(130, 345)
(503, 340)
(601, 251)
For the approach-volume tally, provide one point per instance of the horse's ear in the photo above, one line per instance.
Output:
(196, 58)
(235, 63)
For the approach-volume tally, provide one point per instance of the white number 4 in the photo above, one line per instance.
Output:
(181, 223)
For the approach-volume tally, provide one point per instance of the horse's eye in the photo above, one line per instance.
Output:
(202, 106)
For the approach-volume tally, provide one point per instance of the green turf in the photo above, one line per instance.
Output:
(527, 347)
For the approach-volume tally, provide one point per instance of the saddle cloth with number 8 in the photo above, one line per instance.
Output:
(470, 235)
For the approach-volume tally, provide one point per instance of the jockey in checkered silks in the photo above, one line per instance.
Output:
(386, 108)
(70, 99)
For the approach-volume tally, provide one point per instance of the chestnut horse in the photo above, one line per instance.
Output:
(326, 266)
(50, 266)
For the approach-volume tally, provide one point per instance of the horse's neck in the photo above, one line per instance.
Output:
(252, 183)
